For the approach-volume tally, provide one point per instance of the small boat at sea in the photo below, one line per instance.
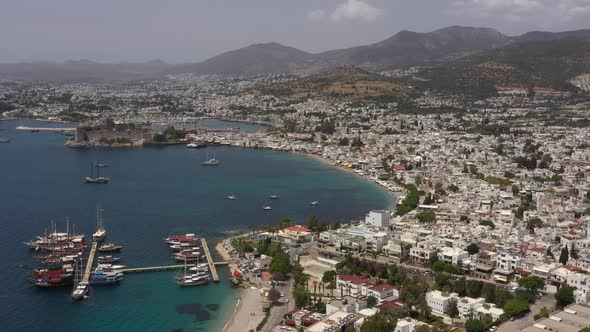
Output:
(314, 203)
(192, 278)
(267, 208)
(189, 257)
(109, 247)
(80, 291)
(109, 267)
(98, 179)
(108, 259)
(80, 287)
(211, 162)
(101, 232)
(106, 278)
(188, 237)
(196, 145)
(275, 196)
(232, 197)
(4, 139)
(103, 165)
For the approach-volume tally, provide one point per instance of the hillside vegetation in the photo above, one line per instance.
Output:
(534, 64)
(342, 83)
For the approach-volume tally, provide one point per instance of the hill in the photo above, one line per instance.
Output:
(550, 63)
(254, 59)
(412, 48)
(342, 83)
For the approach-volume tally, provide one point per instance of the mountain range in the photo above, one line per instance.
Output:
(405, 48)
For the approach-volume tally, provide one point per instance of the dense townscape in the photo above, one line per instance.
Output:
(491, 225)
(493, 198)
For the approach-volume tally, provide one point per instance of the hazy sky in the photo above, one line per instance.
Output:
(193, 30)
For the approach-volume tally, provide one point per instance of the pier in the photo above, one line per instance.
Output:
(45, 129)
(166, 268)
(88, 268)
(212, 267)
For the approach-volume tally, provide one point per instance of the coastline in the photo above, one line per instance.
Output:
(248, 305)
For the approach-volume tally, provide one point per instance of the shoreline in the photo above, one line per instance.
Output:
(248, 306)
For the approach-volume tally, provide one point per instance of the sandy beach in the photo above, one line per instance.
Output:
(247, 313)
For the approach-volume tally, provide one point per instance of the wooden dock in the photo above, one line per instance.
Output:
(90, 262)
(163, 267)
(212, 267)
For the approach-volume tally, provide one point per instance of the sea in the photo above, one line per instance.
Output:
(154, 192)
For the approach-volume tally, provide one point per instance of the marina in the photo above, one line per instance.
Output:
(141, 212)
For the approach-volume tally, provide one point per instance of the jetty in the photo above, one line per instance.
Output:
(63, 129)
(165, 268)
(91, 256)
(212, 267)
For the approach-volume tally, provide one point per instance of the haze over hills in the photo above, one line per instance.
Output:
(545, 63)
(402, 49)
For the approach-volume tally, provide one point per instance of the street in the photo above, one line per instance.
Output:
(548, 300)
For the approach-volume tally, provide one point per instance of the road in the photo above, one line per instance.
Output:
(277, 312)
(548, 300)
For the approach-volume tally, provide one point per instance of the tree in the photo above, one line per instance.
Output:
(344, 142)
(474, 325)
(488, 292)
(472, 249)
(549, 253)
(565, 296)
(473, 288)
(301, 296)
(564, 256)
(452, 310)
(380, 322)
(285, 222)
(426, 216)
(371, 301)
(502, 297)
(516, 307)
(273, 295)
(573, 252)
(533, 223)
(532, 283)
(280, 263)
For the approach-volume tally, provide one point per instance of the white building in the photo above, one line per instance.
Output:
(452, 255)
(378, 218)
(468, 305)
(506, 262)
(438, 301)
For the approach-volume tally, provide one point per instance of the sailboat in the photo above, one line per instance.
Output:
(232, 197)
(98, 178)
(101, 232)
(211, 162)
(192, 279)
(80, 287)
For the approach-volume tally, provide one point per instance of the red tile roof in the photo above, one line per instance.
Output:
(357, 280)
(382, 287)
(298, 229)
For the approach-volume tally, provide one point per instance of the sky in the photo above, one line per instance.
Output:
(178, 31)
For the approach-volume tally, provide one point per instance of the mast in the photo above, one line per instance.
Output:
(97, 169)
(91, 166)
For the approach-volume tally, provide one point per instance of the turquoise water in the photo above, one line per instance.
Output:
(153, 192)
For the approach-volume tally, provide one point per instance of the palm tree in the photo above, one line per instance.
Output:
(315, 284)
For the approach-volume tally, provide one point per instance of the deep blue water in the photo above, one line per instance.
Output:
(153, 192)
